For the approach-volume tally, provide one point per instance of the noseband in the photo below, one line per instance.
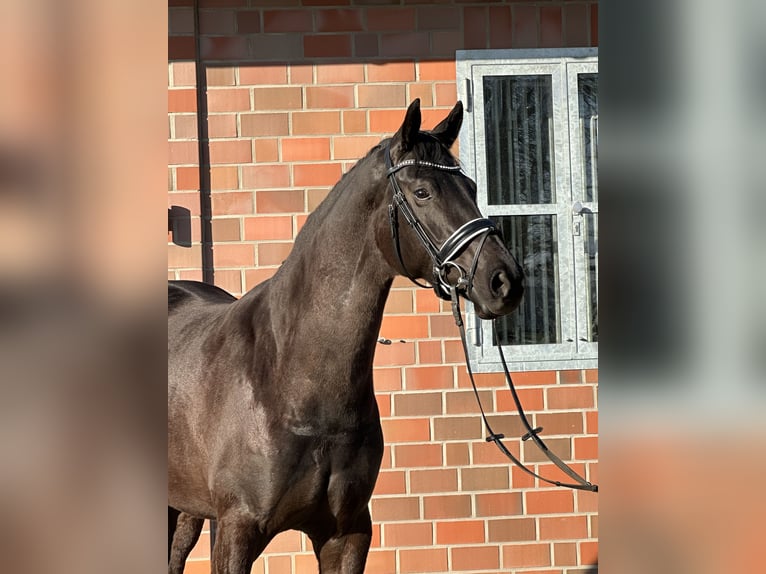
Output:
(444, 257)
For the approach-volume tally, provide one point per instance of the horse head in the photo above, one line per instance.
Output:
(437, 232)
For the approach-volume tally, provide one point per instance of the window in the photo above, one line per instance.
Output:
(530, 140)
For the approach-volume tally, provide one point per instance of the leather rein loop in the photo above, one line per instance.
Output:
(443, 258)
(533, 433)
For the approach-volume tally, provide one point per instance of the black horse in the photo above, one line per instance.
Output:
(272, 418)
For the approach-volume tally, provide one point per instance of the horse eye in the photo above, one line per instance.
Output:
(421, 193)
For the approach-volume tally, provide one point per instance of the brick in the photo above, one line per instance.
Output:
(482, 380)
(216, 22)
(268, 228)
(264, 124)
(248, 21)
(181, 48)
(525, 555)
(187, 178)
(460, 532)
(353, 147)
(587, 501)
(586, 448)
(284, 542)
(354, 122)
(563, 423)
(280, 98)
(385, 121)
(524, 32)
(266, 150)
(340, 74)
(436, 70)
(233, 255)
(404, 327)
(591, 422)
(387, 379)
(443, 327)
(228, 99)
(589, 552)
(265, 176)
(225, 48)
(422, 91)
(475, 28)
(423, 560)
(184, 73)
(254, 277)
(446, 94)
(594, 24)
(180, 21)
(305, 149)
(181, 257)
(457, 428)
(278, 47)
(395, 509)
(420, 378)
(399, 301)
(226, 229)
(430, 352)
(433, 480)
(406, 430)
(316, 123)
(302, 74)
(574, 397)
(315, 197)
(487, 452)
(407, 534)
(390, 19)
(278, 564)
(380, 562)
(330, 97)
(263, 75)
(576, 25)
(273, 253)
(391, 482)
(395, 354)
(565, 554)
(447, 506)
(549, 502)
(182, 100)
(500, 35)
(384, 404)
(313, 174)
(239, 203)
(475, 558)
(281, 201)
(551, 27)
(457, 454)
(342, 20)
(182, 152)
(531, 399)
(287, 21)
(591, 376)
(563, 527)
(409, 44)
(382, 96)
(511, 530)
(464, 402)
(222, 126)
(391, 72)
(366, 45)
(232, 151)
(453, 353)
(484, 478)
(499, 504)
(418, 455)
(327, 46)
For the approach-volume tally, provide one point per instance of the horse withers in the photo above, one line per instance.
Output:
(272, 418)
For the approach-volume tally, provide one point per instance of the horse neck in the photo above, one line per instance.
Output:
(331, 290)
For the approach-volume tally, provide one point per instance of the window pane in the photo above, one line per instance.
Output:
(518, 112)
(587, 95)
(590, 224)
(536, 321)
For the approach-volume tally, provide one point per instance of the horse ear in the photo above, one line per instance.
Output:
(447, 130)
(409, 129)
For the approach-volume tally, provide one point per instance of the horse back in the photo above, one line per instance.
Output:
(180, 292)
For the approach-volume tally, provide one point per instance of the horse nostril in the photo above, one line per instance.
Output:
(499, 284)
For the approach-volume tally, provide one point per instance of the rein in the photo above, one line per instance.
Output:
(443, 259)
(533, 433)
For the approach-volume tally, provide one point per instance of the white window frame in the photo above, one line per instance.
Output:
(563, 66)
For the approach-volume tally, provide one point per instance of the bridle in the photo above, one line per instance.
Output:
(444, 259)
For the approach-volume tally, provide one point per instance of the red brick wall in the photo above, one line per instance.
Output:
(294, 96)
